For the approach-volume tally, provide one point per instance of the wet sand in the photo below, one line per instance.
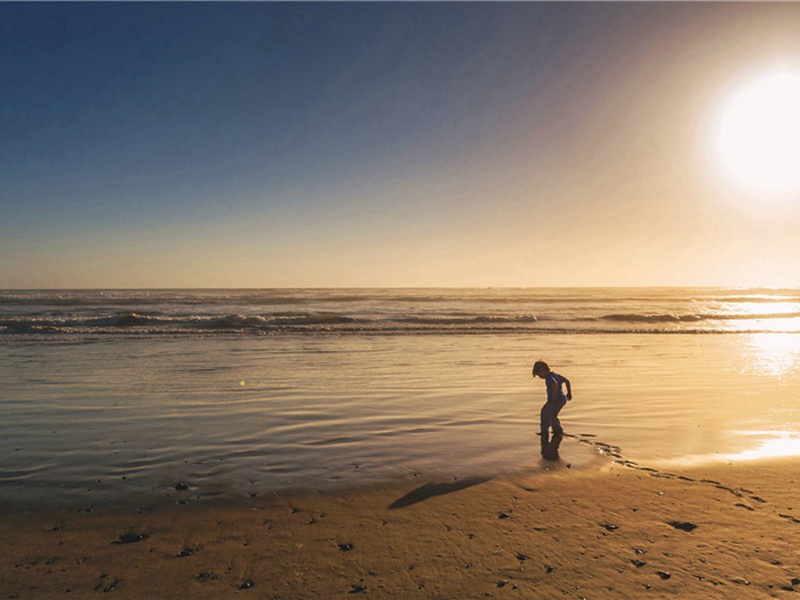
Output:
(623, 531)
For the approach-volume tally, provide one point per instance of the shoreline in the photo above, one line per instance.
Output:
(623, 531)
(121, 494)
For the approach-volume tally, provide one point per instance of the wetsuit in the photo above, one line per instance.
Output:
(556, 399)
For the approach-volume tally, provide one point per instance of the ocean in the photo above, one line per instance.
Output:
(112, 397)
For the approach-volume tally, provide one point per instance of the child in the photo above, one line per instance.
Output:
(556, 399)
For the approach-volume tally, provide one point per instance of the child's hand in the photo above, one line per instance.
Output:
(569, 397)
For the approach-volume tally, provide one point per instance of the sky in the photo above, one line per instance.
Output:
(172, 145)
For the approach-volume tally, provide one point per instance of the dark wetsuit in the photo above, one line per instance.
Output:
(556, 399)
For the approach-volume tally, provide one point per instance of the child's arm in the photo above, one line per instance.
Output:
(569, 388)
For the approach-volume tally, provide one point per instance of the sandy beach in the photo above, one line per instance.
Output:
(622, 531)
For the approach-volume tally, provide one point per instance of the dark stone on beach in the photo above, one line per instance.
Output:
(609, 526)
(503, 515)
(247, 585)
(683, 525)
(502, 583)
(663, 574)
(357, 588)
(521, 556)
(131, 538)
(186, 552)
(638, 563)
(549, 568)
(181, 487)
(795, 581)
(345, 547)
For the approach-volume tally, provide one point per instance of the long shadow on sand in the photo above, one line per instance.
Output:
(429, 490)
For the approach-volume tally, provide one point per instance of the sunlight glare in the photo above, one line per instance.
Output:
(758, 133)
(776, 354)
(784, 444)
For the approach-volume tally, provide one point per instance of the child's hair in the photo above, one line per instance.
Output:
(540, 366)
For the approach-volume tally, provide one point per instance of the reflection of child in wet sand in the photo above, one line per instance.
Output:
(556, 399)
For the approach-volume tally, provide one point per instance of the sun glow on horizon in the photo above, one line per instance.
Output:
(758, 133)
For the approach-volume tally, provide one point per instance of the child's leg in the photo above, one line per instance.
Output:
(544, 419)
(556, 423)
(557, 429)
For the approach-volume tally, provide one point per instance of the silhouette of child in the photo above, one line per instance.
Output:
(556, 399)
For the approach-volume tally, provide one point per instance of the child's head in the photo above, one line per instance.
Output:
(540, 368)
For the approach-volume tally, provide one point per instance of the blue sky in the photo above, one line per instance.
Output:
(387, 144)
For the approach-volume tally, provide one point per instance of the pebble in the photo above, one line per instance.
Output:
(130, 538)
(663, 574)
(181, 487)
(683, 525)
(609, 526)
(345, 547)
(247, 585)
(638, 563)
(795, 581)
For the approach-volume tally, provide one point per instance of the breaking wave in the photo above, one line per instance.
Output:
(692, 318)
(388, 311)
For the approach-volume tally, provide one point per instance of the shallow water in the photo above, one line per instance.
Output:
(91, 423)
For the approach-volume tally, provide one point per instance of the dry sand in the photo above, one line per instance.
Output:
(566, 533)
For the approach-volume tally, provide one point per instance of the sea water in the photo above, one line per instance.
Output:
(119, 396)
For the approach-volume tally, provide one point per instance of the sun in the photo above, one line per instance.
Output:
(758, 132)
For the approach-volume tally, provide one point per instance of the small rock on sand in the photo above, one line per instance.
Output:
(683, 525)
(130, 538)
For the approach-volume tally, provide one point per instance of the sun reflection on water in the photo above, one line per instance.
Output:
(776, 354)
(781, 444)
(777, 317)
